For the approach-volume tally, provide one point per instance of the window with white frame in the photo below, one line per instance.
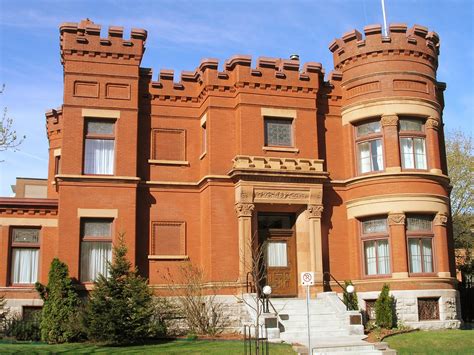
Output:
(96, 247)
(369, 147)
(420, 243)
(376, 246)
(25, 247)
(412, 143)
(99, 147)
(278, 132)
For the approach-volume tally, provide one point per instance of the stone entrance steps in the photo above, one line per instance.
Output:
(333, 329)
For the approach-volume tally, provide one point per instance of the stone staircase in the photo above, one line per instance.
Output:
(333, 329)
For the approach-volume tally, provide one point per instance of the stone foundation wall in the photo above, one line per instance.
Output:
(407, 307)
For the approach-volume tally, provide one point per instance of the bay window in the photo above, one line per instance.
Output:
(420, 243)
(376, 247)
(412, 144)
(99, 147)
(369, 147)
(96, 248)
(25, 248)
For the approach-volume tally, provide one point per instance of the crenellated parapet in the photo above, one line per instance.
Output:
(416, 41)
(54, 123)
(270, 74)
(82, 40)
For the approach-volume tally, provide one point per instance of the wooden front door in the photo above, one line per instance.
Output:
(278, 243)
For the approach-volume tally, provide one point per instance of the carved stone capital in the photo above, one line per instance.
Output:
(315, 211)
(432, 123)
(389, 120)
(395, 219)
(441, 219)
(244, 209)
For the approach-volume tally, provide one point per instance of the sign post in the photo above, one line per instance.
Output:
(307, 279)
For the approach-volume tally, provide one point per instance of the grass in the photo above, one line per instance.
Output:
(225, 347)
(433, 342)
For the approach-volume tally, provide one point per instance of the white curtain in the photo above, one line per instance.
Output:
(99, 156)
(364, 157)
(94, 257)
(415, 255)
(377, 155)
(406, 145)
(383, 257)
(427, 255)
(420, 155)
(24, 266)
(370, 258)
(276, 254)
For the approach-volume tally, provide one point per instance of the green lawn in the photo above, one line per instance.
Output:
(434, 342)
(172, 347)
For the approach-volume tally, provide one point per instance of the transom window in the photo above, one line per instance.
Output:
(412, 144)
(99, 147)
(376, 247)
(420, 243)
(278, 132)
(25, 255)
(96, 247)
(369, 147)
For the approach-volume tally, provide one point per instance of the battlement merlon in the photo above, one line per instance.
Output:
(82, 40)
(417, 40)
(268, 73)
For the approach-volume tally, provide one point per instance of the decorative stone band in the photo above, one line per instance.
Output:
(244, 209)
(396, 218)
(432, 123)
(315, 211)
(277, 164)
(389, 120)
(441, 219)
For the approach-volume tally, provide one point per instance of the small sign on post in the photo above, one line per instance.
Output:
(307, 279)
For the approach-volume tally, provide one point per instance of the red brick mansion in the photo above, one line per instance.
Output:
(344, 174)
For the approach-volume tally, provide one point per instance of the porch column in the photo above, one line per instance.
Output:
(441, 244)
(432, 142)
(391, 142)
(244, 215)
(315, 240)
(396, 223)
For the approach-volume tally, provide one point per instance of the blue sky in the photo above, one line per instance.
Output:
(181, 33)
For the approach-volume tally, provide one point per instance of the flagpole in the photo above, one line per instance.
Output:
(384, 19)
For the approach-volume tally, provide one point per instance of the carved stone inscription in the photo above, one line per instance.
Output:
(283, 196)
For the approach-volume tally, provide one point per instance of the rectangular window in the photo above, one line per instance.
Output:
(277, 254)
(420, 243)
(169, 144)
(96, 247)
(428, 308)
(168, 238)
(99, 147)
(376, 247)
(24, 255)
(369, 147)
(412, 144)
(278, 132)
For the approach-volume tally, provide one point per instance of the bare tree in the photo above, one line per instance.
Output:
(8, 136)
(196, 301)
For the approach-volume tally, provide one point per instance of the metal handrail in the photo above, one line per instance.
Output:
(326, 283)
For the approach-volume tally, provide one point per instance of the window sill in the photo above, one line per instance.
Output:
(422, 274)
(378, 276)
(281, 149)
(168, 257)
(169, 162)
